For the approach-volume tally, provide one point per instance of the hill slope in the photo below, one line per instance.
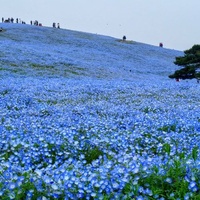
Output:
(30, 50)
(85, 116)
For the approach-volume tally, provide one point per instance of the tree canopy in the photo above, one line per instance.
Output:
(190, 62)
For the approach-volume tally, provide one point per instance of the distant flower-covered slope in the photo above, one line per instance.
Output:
(33, 50)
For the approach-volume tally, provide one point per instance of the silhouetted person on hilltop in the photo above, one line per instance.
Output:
(36, 23)
(124, 38)
(2, 20)
(17, 20)
(58, 25)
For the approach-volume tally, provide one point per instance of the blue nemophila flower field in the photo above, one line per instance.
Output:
(85, 116)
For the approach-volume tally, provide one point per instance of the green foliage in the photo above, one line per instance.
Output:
(92, 154)
(168, 183)
(149, 109)
(167, 148)
(190, 62)
(21, 192)
(195, 151)
(5, 92)
(168, 128)
(39, 66)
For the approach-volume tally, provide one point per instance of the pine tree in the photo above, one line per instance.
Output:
(190, 62)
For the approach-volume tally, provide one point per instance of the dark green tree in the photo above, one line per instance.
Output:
(190, 63)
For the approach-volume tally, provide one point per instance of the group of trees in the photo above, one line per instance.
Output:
(190, 63)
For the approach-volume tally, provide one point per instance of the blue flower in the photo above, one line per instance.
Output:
(139, 198)
(192, 185)
(12, 186)
(168, 180)
(7, 175)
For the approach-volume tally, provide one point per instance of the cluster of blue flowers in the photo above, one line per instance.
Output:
(83, 139)
(75, 125)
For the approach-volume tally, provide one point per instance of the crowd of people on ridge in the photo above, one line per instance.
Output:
(11, 20)
(18, 20)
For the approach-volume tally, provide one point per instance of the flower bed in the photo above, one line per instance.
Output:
(99, 139)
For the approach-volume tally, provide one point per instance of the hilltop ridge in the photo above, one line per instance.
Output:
(27, 49)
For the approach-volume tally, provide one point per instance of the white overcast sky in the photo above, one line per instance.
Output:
(175, 23)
